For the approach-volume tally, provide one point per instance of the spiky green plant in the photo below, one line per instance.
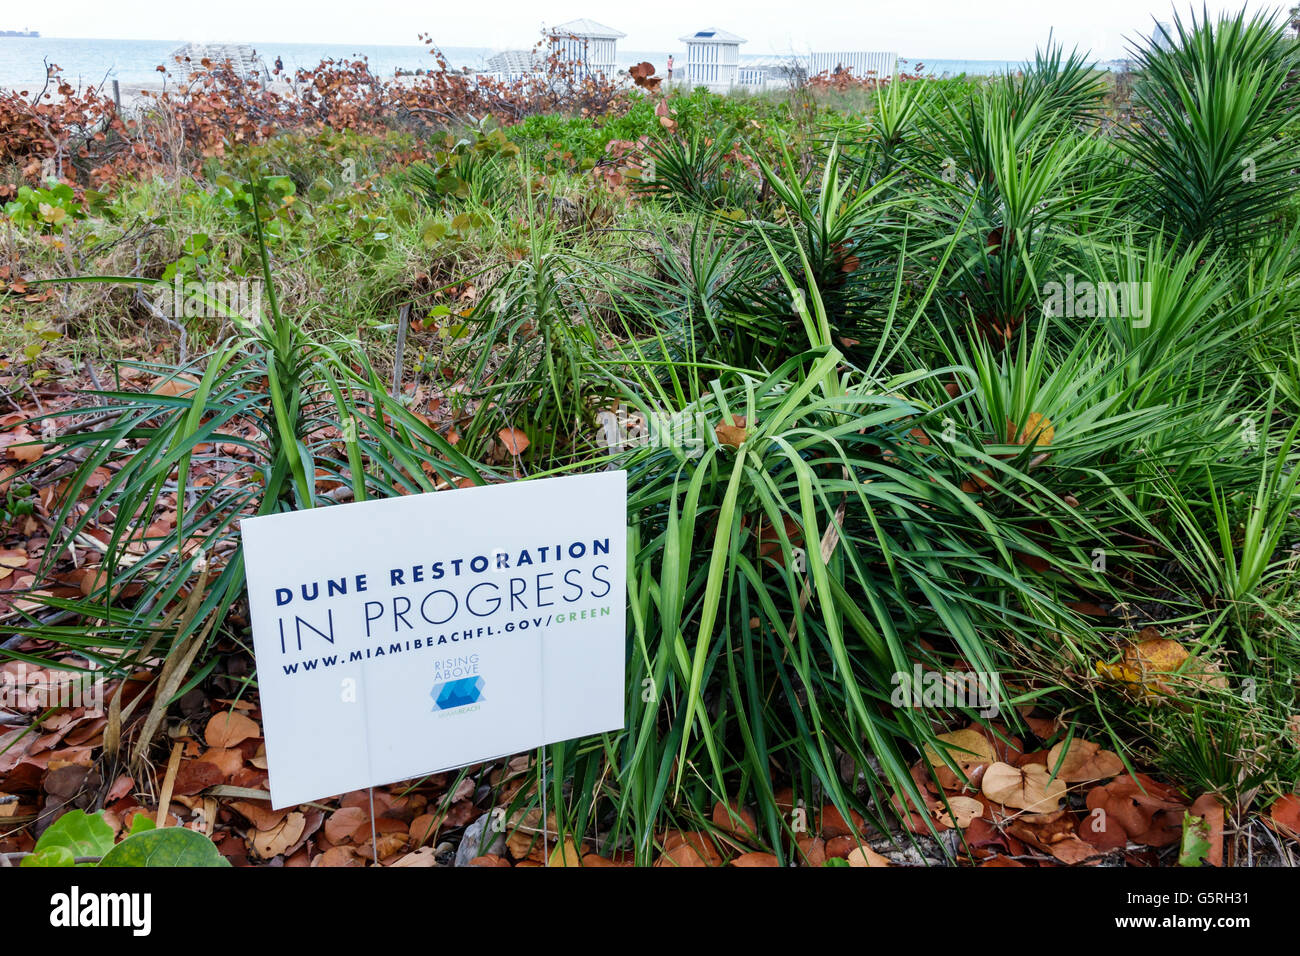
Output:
(1213, 105)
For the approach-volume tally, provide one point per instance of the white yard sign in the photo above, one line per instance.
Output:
(400, 637)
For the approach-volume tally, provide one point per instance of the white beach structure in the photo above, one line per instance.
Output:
(712, 58)
(513, 61)
(243, 58)
(586, 44)
(861, 64)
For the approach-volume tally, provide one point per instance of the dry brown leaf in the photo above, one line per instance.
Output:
(25, 453)
(1285, 814)
(733, 434)
(338, 856)
(389, 843)
(342, 823)
(1024, 788)
(1208, 808)
(258, 759)
(812, 849)
(421, 857)
(273, 842)
(1073, 850)
(422, 828)
(259, 813)
(963, 811)
(1159, 666)
(834, 824)
(229, 760)
(734, 820)
(193, 776)
(865, 856)
(1084, 762)
(228, 728)
(524, 834)
(1148, 812)
(839, 847)
(688, 848)
(1101, 831)
(665, 117)
(514, 439)
(177, 387)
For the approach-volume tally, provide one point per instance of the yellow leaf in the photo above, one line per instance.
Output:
(968, 748)
(566, 854)
(1038, 430)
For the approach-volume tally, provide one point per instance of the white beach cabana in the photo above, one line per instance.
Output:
(861, 64)
(244, 60)
(513, 61)
(586, 44)
(712, 57)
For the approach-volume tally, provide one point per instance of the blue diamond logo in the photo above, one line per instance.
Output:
(457, 693)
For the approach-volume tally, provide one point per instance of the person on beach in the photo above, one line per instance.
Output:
(279, 65)
(670, 66)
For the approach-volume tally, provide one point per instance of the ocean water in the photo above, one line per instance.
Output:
(133, 62)
(957, 67)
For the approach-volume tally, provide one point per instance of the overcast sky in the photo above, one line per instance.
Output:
(938, 29)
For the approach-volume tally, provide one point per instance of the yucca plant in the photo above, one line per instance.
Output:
(1013, 203)
(527, 352)
(1238, 749)
(692, 170)
(826, 218)
(1271, 282)
(889, 137)
(1231, 545)
(1068, 87)
(1213, 106)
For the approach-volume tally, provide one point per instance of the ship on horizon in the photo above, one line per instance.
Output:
(20, 33)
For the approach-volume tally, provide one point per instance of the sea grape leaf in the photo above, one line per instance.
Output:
(79, 833)
(170, 846)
